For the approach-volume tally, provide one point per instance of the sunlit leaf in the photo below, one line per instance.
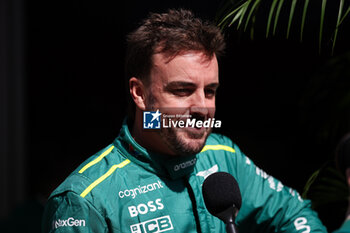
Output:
(230, 14)
(252, 9)
(341, 6)
(292, 9)
(239, 13)
(310, 182)
(323, 10)
(252, 28)
(306, 4)
(272, 9)
(346, 14)
(326, 185)
(244, 10)
(279, 7)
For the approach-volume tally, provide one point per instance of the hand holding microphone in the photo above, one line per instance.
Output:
(222, 198)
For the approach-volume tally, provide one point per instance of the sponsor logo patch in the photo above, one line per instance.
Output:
(156, 225)
(301, 225)
(140, 190)
(184, 165)
(141, 209)
(70, 222)
(208, 172)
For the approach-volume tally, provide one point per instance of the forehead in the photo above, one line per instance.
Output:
(186, 65)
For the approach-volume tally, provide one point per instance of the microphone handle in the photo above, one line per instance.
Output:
(230, 228)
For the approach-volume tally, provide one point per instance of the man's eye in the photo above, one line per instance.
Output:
(182, 92)
(210, 93)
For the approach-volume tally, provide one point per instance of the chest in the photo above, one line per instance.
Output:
(161, 205)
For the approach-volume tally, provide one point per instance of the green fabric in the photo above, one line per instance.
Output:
(345, 228)
(150, 194)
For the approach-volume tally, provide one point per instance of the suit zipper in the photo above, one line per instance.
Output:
(194, 205)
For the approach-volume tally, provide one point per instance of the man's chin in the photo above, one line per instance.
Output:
(193, 140)
(194, 133)
(185, 141)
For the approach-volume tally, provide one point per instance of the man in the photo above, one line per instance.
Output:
(343, 164)
(345, 228)
(149, 180)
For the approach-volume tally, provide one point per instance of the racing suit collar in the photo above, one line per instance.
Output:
(159, 164)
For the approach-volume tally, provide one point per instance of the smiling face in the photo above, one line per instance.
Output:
(184, 85)
(171, 65)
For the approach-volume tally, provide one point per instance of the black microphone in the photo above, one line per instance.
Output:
(222, 198)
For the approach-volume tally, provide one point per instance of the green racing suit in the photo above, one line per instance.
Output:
(125, 188)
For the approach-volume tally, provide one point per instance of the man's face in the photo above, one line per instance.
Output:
(184, 85)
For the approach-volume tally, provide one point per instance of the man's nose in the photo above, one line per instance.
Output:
(199, 105)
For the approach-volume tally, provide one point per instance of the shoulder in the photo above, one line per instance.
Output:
(221, 149)
(344, 228)
(218, 138)
(103, 167)
(69, 212)
(220, 142)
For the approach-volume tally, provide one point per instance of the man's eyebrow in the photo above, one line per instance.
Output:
(176, 84)
(184, 84)
(213, 85)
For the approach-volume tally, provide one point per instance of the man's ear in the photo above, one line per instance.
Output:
(138, 92)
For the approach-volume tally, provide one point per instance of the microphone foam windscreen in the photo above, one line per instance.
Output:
(220, 192)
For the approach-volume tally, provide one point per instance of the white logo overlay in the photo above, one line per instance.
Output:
(208, 172)
(70, 222)
(140, 190)
(158, 120)
(156, 225)
(151, 120)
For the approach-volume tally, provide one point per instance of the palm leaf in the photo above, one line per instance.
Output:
(252, 9)
(277, 15)
(341, 6)
(346, 14)
(272, 9)
(326, 185)
(306, 4)
(292, 9)
(240, 14)
(252, 28)
(323, 10)
(237, 16)
(232, 13)
(243, 12)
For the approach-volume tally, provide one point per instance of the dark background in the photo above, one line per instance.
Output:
(63, 95)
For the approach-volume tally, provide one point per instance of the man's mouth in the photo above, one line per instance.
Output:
(195, 133)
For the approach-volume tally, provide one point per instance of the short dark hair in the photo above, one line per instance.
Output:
(169, 33)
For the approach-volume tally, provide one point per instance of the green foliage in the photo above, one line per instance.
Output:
(328, 191)
(326, 185)
(244, 13)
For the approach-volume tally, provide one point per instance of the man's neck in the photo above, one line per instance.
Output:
(149, 140)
